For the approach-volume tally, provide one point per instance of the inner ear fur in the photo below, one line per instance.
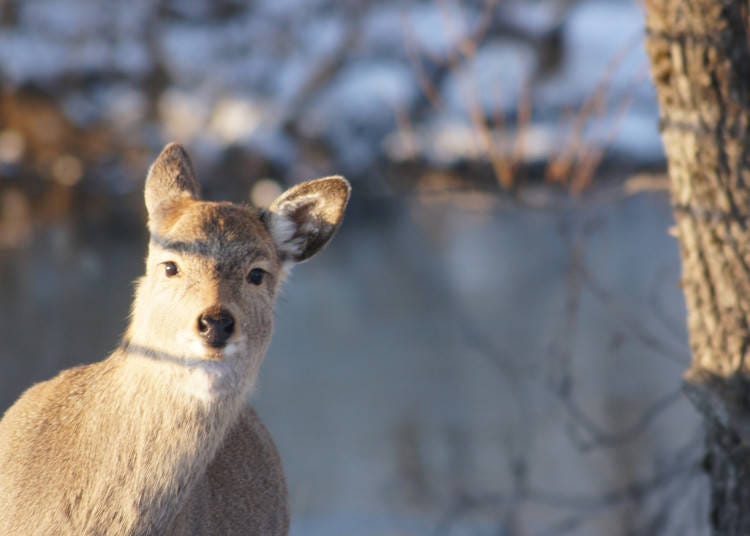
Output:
(170, 183)
(303, 219)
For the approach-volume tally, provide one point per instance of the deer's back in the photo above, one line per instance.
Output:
(243, 491)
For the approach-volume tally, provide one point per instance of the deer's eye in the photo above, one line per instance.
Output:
(170, 269)
(255, 276)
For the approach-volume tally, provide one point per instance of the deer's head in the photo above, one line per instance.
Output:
(213, 269)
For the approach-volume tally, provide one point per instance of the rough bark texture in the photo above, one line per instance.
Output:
(700, 59)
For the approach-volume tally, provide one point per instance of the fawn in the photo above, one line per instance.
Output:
(159, 437)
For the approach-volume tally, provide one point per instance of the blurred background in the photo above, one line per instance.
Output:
(494, 342)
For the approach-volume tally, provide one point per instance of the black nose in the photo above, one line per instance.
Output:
(216, 325)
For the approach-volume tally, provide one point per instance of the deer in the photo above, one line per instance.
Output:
(160, 437)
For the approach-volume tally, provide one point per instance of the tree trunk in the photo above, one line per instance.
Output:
(700, 62)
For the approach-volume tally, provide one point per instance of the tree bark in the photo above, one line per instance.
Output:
(700, 63)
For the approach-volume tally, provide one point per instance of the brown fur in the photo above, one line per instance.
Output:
(158, 438)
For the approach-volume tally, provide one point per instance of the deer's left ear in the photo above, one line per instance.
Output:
(304, 218)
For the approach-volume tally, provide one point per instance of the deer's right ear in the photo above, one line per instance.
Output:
(170, 181)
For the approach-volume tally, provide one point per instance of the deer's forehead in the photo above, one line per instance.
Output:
(217, 231)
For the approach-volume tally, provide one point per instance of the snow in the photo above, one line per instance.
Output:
(234, 79)
(367, 92)
(362, 103)
(638, 134)
(132, 58)
(25, 57)
(494, 79)
(599, 37)
(438, 27)
(63, 21)
(191, 51)
(536, 17)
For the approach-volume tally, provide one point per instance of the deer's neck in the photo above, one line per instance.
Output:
(168, 420)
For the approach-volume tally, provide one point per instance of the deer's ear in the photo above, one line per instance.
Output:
(304, 218)
(170, 181)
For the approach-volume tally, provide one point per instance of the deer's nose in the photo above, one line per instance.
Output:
(216, 325)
